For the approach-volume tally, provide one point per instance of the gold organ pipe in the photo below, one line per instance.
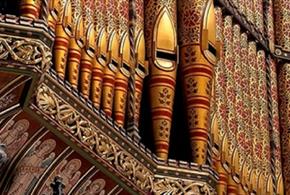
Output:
(76, 43)
(198, 53)
(161, 43)
(101, 53)
(113, 59)
(88, 52)
(63, 32)
(125, 66)
(30, 8)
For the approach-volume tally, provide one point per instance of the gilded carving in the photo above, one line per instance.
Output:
(171, 186)
(25, 51)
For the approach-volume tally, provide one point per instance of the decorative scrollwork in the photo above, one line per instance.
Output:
(179, 187)
(25, 51)
(110, 151)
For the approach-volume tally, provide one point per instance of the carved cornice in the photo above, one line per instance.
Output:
(99, 136)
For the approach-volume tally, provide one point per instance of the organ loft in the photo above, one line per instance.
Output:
(145, 97)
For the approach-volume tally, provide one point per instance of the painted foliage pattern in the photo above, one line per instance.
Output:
(284, 95)
(282, 23)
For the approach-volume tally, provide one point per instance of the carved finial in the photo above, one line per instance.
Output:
(57, 186)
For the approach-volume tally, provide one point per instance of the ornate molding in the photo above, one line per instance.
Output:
(114, 153)
(25, 51)
(174, 186)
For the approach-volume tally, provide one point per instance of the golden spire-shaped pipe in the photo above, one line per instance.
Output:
(76, 43)
(124, 69)
(88, 52)
(141, 68)
(62, 35)
(161, 43)
(30, 8)
(198, 53)
(113, 59)
(101, 52)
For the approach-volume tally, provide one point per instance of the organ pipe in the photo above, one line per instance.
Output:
(76, 43)
(198, 52)
(162, 56)
(88, 51)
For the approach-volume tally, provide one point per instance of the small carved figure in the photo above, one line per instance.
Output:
(14, 136)
(32, 166)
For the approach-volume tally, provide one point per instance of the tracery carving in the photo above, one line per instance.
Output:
(25, 51)
(110, 151)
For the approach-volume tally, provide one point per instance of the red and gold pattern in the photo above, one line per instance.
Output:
(282, 23)
(88, 52)
(141, 68)
(124, 70)
(259, 18)
(270, 24)
(113, 59)
(284, 96)
(30, 8)
(161, 38)
(76, 43)
(197, 18)
(257, 142)
(250, 11)
(246, 138)
(62, 36)
(230, 92)
(101, 53)
(221, 100)
(282, 35)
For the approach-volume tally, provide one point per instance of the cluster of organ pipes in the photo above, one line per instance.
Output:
(92, 51)
(245, 93)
